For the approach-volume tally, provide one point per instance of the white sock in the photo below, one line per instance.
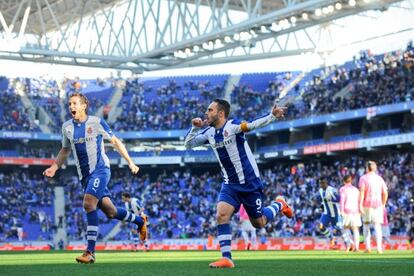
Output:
(378, 236)
(388, 240)
(345, 236)
(349, 236)
(367, 236)
(245, 237)
(356, 238)
(254, 238)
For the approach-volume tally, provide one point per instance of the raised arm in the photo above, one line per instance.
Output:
(194, 138)
(276, 113)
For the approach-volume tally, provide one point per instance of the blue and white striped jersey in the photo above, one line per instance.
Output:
(229, 144)
(134, 206)
(86, 142)
(330, 201)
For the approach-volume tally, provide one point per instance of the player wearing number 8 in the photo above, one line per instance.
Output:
(84, 135)
(242, 184)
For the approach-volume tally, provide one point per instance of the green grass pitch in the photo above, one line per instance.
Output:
(251, 263)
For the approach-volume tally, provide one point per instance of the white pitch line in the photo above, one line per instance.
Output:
(377, 261)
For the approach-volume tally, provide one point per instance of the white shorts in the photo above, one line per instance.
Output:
(352, 220)
(247, 226)
(373, 215)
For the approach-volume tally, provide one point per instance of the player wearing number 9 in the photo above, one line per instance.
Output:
(242, 183)
(83, 135)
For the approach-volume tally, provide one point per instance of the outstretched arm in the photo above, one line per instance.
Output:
(276, 113)
(194, 138)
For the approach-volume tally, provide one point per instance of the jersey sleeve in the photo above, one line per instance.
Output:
(335, 196)
(65, 140)
(105, 130)
(318, 196)
(194, 138)
(136, 205)
(245, 126)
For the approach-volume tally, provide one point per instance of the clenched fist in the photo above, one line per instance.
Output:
(198, 122)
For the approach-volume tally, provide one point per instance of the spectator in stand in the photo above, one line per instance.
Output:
(373, 81)
(19, 205)
(168, 111)
(13, 116)
(190, 197)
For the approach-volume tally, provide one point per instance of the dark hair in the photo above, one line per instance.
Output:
(83, 98)
(223, 105)
(323, 180)
(347, 178)
(127, 195)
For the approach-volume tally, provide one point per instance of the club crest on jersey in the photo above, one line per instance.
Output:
(226, 133)
(89, 131)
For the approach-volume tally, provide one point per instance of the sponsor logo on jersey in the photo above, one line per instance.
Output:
(223, 144)
(82, 140)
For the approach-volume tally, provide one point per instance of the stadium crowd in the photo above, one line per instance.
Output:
(44, 92)
(14, 116)
(167, 110)
(181, 204)
(370, 80)
(23, 200)
(366, 81)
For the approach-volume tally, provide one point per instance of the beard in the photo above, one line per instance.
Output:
(213, 121)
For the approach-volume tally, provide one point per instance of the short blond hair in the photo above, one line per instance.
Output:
(83, 99)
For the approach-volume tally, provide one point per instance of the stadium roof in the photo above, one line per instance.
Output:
(150, 35)
(42, 20)
(66, 11)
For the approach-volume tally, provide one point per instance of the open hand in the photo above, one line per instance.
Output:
(279, 111)
(51, 171)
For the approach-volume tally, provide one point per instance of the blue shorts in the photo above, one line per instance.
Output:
(96, 183)
(326, 221)
(252, 201)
